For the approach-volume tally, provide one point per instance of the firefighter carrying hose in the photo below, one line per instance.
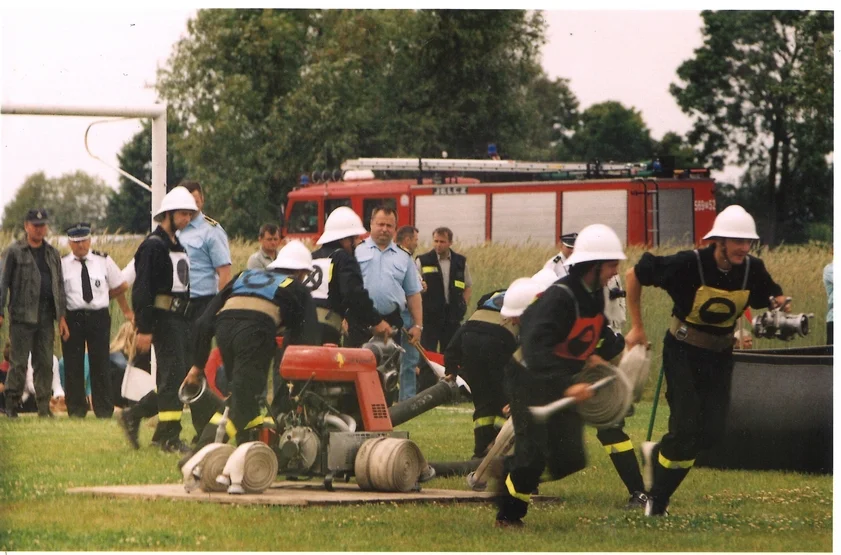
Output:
(479, 350)
(710, 288)
(336, 282)
(245, 317)
(559, 333)
(160, 296)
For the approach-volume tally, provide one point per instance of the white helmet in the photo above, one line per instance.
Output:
(545, 277)
(293, 256)
(734, 223)
(519, 296)
(596, 242)
(342, 222)
(179, 198)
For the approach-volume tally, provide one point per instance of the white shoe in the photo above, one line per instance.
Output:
(648, 464)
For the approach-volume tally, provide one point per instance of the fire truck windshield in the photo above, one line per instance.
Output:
(303, 218)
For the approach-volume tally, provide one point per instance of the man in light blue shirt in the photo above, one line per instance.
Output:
(389, 275)
(210, 257)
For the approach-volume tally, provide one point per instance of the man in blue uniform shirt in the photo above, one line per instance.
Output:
(210, 257)
(389, 275)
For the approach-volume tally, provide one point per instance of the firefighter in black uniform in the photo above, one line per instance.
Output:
(447, 293)
(245, 317)
(479, 350)
(336, 281)
(559, 334)
(710, 288)
(160, 296)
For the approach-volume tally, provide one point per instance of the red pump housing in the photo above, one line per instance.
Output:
(337, 364)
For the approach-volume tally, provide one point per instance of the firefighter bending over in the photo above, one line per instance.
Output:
(245, 317)
(479, 350)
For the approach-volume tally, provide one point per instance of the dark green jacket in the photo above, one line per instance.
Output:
(21, 279)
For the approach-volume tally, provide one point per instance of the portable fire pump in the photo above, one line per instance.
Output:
(336, 402)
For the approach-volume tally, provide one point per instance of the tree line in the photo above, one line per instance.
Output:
(258, 97)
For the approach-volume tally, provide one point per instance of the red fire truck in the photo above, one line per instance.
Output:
(514, 201)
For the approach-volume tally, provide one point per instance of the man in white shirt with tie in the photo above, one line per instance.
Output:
(91, 279)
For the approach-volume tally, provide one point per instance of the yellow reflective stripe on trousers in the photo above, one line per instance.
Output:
(169, 416)
(674, 464)
(483, 421)
(499, 422)
(230, 429)
(526, 497)
(619, 447)
(459, 284)
(254, 422)
(216, 418)
(429, 269)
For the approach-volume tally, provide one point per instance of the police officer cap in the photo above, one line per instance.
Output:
(37, 216)
(79, 231)
(568, 239)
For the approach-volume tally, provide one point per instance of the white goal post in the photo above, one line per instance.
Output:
(156, 112)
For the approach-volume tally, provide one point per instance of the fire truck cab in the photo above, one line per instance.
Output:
(514, 201)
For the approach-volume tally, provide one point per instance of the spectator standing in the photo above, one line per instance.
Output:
(389, 277)
(710, 289)
(160, 295)
(407, 239)
(827, 282)
(34, 281)
(269, 243)
(556, 263)
(336, 282)
(91, 279)
(448, 287)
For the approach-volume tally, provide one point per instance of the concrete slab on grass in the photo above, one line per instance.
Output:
(290, 493)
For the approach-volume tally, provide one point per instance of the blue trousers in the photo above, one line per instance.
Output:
(408, 362)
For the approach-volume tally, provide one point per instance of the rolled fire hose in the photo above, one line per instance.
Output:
(389, 464)
(205, 466)
(612, 399)
(636, 365)
(252, 468)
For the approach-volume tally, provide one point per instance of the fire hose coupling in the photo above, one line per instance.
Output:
(189, 393)
(776, 324)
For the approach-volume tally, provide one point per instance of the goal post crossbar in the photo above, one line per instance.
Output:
(156, 112)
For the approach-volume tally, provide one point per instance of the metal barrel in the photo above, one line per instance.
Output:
(438, 394)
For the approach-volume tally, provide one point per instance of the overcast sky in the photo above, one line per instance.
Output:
(109, 58)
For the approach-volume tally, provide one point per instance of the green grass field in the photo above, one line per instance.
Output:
(712, 511)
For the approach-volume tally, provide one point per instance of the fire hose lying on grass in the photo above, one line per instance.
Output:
(615, 388)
